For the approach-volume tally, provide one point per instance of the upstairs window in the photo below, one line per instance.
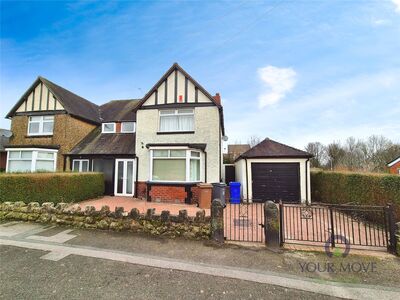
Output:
(176, 120)
(108, 128)
(127, 127)
(41, 125)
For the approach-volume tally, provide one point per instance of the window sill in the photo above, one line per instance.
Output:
(175, 132)
(39, 136)
(173, 183)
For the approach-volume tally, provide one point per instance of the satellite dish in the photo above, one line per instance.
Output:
(224, 138)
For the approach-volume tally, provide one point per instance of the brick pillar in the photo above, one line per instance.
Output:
(271, 229)
(217, 221)
(205, 191)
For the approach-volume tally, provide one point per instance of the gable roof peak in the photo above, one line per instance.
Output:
(269, 148)
(74, 104)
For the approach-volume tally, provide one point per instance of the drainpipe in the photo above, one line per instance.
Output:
(307, 200)
(205, 167)
(247, 182)
(137, 176)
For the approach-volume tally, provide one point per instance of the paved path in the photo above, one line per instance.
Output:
(59, 251)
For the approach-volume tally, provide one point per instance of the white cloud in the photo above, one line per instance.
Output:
(279, 81)
(380, 22)
(359, 106)
(397, 4)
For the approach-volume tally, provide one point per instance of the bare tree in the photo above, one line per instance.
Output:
(369, 155)
(335, 154)
(318, 150)
(253, 140)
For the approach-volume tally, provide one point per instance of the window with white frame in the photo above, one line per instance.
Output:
(176, 120)
(31, 160)
(80, 165)
(40, 125)
(182, 165)
(127, 127)
(108, 128)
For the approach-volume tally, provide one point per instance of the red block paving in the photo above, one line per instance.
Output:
(128, 203)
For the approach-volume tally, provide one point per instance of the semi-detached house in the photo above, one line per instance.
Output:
(158, 147)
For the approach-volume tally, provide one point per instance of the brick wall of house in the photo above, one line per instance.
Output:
(3, 160)
(395, 168)
(141, 190)
(68, 131)
(171, 194)
(195, 195)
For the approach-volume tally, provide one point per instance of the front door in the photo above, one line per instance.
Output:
(124, 177)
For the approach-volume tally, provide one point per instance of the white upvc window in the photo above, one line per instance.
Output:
(175, 165)
(80, 165)
(31, 160)
(128, 127)
(108, 128)
(174, 120)
(40, 125)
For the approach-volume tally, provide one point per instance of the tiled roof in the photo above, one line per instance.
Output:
(105, 143)
(272, 149)
(119, 110)
(74, 104)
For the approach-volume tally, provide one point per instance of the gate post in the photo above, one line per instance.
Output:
(217, 221)
(392, 228)
(398, 239)
(332, 237)
(271, 225)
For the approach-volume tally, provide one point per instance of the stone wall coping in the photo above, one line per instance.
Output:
(119, 212)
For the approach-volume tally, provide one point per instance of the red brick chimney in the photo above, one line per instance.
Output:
(217, 98)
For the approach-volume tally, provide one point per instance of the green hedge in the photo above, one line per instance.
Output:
(50, 187)
(356, 188)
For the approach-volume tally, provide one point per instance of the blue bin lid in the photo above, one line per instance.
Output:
(234, 183)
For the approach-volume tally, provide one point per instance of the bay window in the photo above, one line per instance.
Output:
(31, 160)
(40, 125)
(176, 120)
(175, 165)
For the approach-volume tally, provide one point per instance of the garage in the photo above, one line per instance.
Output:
(275, 181)
(274, 171)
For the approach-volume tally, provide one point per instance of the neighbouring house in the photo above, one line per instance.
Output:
(234, 151)
(394, 166)
(46, 123)
(158, 147)
(4, 140)
(274, 171)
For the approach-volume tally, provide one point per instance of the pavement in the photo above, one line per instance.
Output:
(56, 262)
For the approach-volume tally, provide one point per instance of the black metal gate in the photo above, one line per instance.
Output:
(244, 222)
(359, 226)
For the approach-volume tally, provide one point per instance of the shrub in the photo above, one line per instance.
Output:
(356, 188)
(50, 187)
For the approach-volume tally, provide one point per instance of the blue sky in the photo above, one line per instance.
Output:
(294, 71)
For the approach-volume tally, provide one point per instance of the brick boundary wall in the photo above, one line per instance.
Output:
(164, 224)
